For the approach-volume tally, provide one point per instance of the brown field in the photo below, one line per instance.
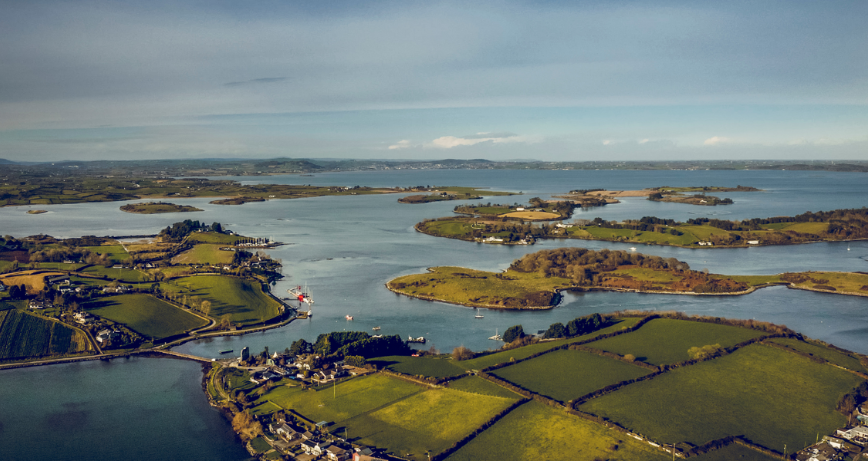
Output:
(534, 215)
(34, 280)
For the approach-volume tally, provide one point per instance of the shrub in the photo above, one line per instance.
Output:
(512, 333)
(462, 353)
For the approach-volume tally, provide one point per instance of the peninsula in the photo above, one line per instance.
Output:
(593, 386)
(535, 280)
(441, 193)
(831, 226)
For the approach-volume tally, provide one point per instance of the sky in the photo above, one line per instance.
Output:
(551, 81)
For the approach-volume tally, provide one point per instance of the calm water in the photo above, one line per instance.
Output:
(346, 248)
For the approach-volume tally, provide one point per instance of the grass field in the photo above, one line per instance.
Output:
(448, 228)
(566, 375)
(526, 351)
(535, 431)
(838, 358)
(428, 421)
(204, 253)
(533, 215)
(768, 395)
(145, 314)
(477, 385)
(663, 341)
(471, 287)
(841, 281)
(116, 253)
(123, 275)
(213, 237)
(438, 367)
(354, 397)
(803, 227)
(23, 336)
(242, 300)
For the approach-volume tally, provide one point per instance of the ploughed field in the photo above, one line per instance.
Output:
(23, 336)
(652, 376)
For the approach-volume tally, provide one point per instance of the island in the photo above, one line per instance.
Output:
(441, 193)
(537, 210)
(157, 207)
(663, 194)
(98, 297)
(595, 386)
(823, 226)
(36, 211)
(535, 280)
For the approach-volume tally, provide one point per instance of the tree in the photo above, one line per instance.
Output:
(512, 333)
(300, 347)
(556, 330)
(462, 353)
(205, 307)
(708, 350)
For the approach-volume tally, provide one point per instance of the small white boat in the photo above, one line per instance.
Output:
(479, 316)
(632, 248)
(496, 336)
(376, 328)
(349, 317)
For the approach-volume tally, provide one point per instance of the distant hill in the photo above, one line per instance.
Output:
(3, 160)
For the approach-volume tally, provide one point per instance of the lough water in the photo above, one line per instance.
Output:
(346, 248)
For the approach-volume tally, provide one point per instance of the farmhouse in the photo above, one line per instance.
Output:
(286, 431)
(108, 335)
(753, 242)
(83, 317)
(858, 434)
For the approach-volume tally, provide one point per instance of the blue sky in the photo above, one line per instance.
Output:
(419, 80)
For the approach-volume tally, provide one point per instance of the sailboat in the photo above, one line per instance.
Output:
(478, 316)
(496, 336)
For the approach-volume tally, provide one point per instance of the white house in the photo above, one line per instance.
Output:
(753, 242)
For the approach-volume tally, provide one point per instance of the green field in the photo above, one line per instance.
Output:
(838, 358)
(213, 237)
(448, 228)
(23, 336)
(477, 385)
(566, 375)
(205, 253)
(145, 314)
(535, 431)
(438, 367)
(486, 361)
(663, 341)
(347, 399)
(242, 300)
(770, 396)
(428, 421)
(116, 253)
(122, 275)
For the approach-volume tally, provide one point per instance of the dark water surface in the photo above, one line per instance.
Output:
(346, 248)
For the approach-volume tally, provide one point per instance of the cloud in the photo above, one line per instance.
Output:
(448, 142)
(716, 140)
(644, 141)
(402, 144)
(256, 81)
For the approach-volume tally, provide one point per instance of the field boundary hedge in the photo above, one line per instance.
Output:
(464, 441)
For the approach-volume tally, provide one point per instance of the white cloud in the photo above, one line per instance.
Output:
(643, 141)
(402, 144)
(715, 140)
(606, 142)
(448, 142)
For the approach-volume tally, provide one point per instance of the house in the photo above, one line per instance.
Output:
(858, 434)
(564, 226)
(2, 287)
(108, 335)
(753, 242)
(819, 452)
(492, 239)
(307, 435)
(64, 279)
(305, 457)
(314, 448)
(702, 244)
(286, 431)
(38, 304)
(519, 209)
(361, 456)
(83, 317)
(336, 453)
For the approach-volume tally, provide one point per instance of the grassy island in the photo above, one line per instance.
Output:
(157, 207)
(537, 210)
(622, 386)
(533, 282)
(663, 194)
(441, 194)
(836, 225)
(36, 211)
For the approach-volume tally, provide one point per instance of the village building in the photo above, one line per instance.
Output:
(858, 434)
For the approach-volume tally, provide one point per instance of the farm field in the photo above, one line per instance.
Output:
(213, 237)
(23, 335)
(566, 375)
(485, 361)
(34, 280)
(116, 253)
(428, 421)
(145, 314)
(831, 355)
(770, 396)
(439, 367)
(122, 275)
(204, 253)
(354, 397)
(664, 341)
(532, 215)
(242, 300)
(477, 385)
(535, 431)
(840, 281)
